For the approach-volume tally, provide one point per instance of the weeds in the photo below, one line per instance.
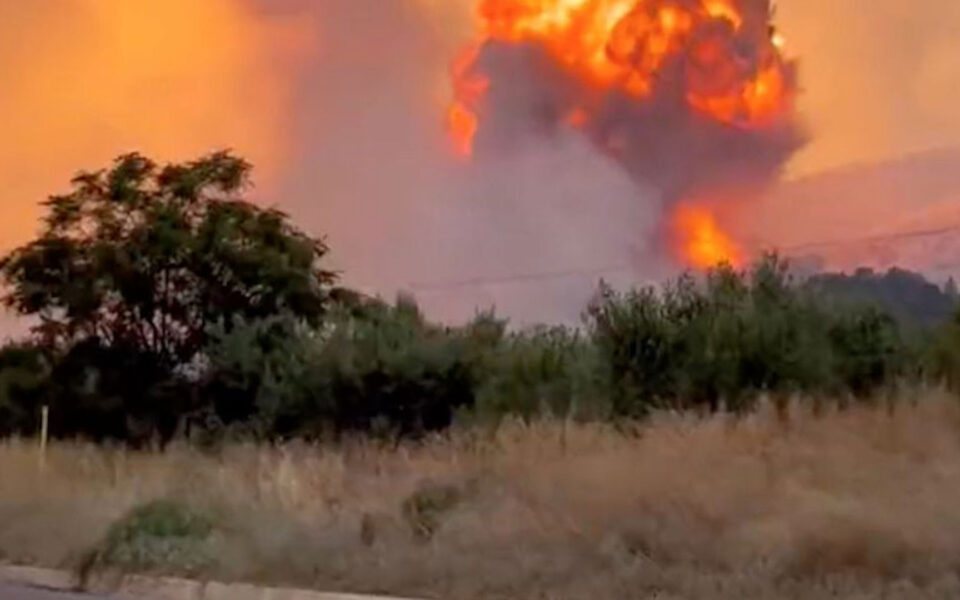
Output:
(854, 503)
(426, 508)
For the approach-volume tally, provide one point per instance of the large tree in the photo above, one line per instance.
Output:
(146, 258)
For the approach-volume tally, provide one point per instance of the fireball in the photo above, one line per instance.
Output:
(691, 97)
(628, 46)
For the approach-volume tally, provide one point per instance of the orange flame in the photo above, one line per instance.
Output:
(463, 125)
(699, 239)
(469, 89)
(623, 45)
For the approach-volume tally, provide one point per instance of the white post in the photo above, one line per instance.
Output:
(44, 432)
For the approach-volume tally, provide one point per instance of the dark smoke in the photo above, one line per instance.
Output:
(660, 140)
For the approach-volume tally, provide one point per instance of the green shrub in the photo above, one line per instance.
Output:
(639, 348)
(541, 371)
(868, 350)
(941, 357)
(375, 368)
(162, 535)
(730, 337)
(388, 370)
(258, 376)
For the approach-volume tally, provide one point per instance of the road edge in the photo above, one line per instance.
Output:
(168, 588)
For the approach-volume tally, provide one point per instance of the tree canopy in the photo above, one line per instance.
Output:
(147, 258)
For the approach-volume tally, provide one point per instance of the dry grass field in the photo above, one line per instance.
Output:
(863, 503)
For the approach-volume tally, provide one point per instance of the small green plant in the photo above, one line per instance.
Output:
(163, 535)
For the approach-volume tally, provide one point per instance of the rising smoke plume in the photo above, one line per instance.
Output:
(340, 104)
(691, 97)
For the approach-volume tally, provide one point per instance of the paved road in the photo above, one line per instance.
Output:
(8, 592)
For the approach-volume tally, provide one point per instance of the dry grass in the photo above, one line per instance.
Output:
(859, 504)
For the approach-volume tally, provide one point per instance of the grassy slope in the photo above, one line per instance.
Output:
(846, 504)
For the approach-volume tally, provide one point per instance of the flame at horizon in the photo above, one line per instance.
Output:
(700, 240)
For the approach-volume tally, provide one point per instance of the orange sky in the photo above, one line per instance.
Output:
(879, 77)
(84, 80)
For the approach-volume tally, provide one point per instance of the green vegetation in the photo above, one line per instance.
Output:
(131, 271)
(162, 534)
(23, 373)
(374, 367)
(167, 305)
(906, 296)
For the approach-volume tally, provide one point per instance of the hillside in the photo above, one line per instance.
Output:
(900, 212)
(906, 295)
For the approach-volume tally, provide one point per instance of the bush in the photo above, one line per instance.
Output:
(258, 377)
(541, 371)
(92, 390)
(868, 350)
(731, 337)
(161, 535)
(389, 371)
(639, 346)
(717, 342)
(114, 393)
(383, 368)
(375, 368)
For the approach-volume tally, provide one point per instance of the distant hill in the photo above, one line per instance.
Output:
(908, 296)
(862, 197)
(879, 215)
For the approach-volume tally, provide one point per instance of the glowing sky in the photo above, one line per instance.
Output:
(84, 80)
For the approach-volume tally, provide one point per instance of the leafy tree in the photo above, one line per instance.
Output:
(139, 261)
(727, 338)
(713, 341)
(787, 345)
(386, 369)
(150, 257)
(638, 348)
(868, 349)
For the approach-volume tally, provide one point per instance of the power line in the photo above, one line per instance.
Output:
(435, 286)
(439, 286)
(878, 238)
